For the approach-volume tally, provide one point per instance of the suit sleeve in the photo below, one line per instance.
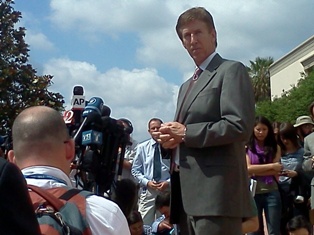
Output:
(308, 153)
(235, 112)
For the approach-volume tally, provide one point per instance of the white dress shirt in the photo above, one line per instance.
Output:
(143, 163)
(103, 216)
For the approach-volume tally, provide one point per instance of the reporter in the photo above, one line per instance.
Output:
(43, 150)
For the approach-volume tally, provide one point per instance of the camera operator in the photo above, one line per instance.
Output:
(43, 150)
(129, 150)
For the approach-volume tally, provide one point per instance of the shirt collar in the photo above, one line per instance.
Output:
(47, 170)
(153, 142)
(206, 62)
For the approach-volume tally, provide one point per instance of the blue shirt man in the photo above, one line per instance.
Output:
(144, 171)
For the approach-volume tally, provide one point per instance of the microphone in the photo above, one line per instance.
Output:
(90, 114)
(91, 137)
(105, 111)
(95, 104)
(78, 104)
(68, 117)
(109, 123)
(127, 124)
(78, 98)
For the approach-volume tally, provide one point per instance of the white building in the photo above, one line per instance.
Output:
(286, 71)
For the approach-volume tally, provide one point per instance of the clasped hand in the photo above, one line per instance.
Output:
(159, 186)
(170, 134)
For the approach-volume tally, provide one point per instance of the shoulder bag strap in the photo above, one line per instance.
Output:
(51, 199)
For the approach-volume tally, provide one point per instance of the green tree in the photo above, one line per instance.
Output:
(20, 87)
(259, 72)
(292, 104)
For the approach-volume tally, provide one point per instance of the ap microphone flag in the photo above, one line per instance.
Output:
(78, 98)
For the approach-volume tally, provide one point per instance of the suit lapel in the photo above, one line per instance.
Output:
(203, 80)
(181, 95)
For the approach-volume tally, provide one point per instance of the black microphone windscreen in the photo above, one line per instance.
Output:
(128, 127)
(105, 111)
(108, 122)
(78, 90)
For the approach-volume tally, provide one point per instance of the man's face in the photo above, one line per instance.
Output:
(153, 127)
(198, 40)
(136, 228)
(306, 129)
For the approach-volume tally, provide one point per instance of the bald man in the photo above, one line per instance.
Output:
(43, 150)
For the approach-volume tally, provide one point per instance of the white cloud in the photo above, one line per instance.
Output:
(109, 16)
(139, 94)
(38, 41)
(246, 29)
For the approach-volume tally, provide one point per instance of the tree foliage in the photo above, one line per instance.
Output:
(259, 72)
(291, 104)
(20, 87)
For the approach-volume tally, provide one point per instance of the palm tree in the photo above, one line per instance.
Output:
(259, 72)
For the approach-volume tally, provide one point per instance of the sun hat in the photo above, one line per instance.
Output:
(303, 120)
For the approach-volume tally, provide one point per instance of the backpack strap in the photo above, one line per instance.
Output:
(51, 199)
(69, 194)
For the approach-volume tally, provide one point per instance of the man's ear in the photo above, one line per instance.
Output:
(70, 150)
(11, 156)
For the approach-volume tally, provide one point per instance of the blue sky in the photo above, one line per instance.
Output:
(127, 52)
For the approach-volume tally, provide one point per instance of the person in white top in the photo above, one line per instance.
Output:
(43, 150)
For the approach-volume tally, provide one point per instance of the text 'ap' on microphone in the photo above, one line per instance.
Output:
(78, 98)
(91, 114)
(78, 105)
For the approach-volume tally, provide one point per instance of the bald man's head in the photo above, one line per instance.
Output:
(40, 134)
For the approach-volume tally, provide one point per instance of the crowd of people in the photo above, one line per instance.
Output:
(276, 160)
(280, 165)
(192, 176)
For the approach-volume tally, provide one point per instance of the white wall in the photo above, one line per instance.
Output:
(286, 72)
(284, 79)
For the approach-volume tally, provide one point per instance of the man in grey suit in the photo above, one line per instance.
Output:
(308, 167)
(213, 121)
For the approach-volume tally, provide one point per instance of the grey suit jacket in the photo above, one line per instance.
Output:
(219, 116)
(308, 153)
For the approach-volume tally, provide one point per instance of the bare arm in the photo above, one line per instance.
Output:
(265, 169)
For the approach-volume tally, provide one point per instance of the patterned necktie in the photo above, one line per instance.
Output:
(195, 76)
(157, 164)
(197, 72)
